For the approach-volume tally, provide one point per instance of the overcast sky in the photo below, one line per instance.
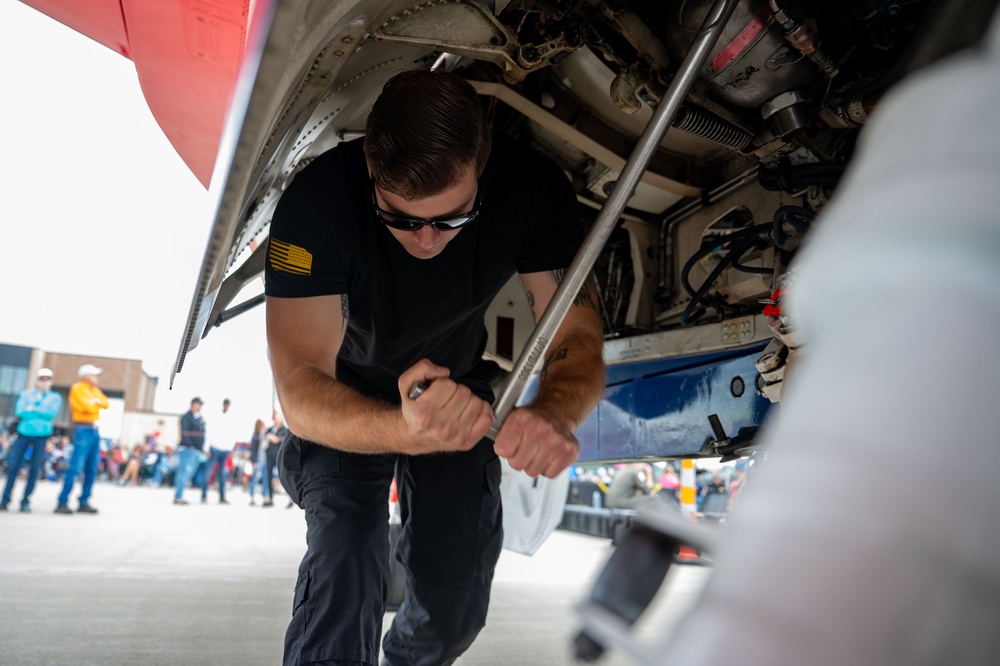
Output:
(104, 227)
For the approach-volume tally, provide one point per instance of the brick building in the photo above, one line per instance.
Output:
(131, 391)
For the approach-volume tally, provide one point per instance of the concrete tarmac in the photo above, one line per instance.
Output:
(147, 582)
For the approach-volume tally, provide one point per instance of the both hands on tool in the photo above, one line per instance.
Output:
(447, 416)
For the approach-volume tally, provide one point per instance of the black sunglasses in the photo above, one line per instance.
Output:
(404, 223)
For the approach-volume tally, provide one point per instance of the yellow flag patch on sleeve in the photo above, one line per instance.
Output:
(289, 258)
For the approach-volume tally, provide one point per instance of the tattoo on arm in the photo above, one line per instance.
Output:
(531, 304)
(585, 297)
(344, 311)
(558, 356)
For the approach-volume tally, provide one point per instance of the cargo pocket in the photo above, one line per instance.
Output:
(295, 635)
(301, 590)
(489, 537)
(290, 468)
(317, 465)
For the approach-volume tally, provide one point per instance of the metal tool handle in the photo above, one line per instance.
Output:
(631, 173)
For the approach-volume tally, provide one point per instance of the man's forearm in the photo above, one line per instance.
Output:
(320, 409)
(572, 380)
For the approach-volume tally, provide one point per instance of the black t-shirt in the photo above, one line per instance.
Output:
(272, 447)
(325, 239)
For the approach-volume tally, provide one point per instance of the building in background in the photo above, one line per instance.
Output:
(130, 419)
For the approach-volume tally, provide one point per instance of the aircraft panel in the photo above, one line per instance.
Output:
(660, 409)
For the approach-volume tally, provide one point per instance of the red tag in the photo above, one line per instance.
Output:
(735, 47)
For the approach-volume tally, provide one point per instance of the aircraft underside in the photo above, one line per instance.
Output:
(692, 272)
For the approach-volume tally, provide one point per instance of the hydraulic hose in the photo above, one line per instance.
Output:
(797, 217)
(741, 241)
(698, 256)
(734, 253)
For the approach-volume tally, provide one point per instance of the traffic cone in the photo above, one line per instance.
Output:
(686, 555)
(397, 574)
(688, 494)
(394, 517)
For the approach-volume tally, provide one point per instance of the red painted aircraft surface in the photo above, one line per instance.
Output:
(187, 55)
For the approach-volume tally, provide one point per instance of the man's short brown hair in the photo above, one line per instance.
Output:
(424, 132)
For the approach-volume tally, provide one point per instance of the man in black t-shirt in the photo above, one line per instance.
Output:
(383, 257)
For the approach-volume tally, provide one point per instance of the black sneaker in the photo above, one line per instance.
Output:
(3, 507)
(25, 508)
(223, 501)
(62, 508)
(86, 508)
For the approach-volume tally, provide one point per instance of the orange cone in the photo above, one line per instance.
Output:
(687, 554)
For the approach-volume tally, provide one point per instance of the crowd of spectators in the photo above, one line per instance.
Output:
(250, 466)
(619, 486)
(58, 448)
(154, 463)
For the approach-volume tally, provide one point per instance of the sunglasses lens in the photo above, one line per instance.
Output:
(453, 223)
(401, 223)
(411, 224)
(406, 224)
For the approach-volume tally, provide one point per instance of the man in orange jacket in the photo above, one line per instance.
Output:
(86, 401)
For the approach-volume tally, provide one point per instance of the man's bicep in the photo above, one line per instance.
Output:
(541, 287)
(305, 333)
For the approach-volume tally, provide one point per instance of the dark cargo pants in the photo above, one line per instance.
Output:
(449, 545)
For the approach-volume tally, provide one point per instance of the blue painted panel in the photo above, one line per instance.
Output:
(661, 408)
(623, 372)
(616, 423)
(589, 429)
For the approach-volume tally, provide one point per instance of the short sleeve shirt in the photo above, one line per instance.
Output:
(325, 239)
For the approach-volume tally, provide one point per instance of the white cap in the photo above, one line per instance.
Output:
(44, 372)
(89, 369)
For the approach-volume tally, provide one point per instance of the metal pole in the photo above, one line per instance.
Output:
(635, 166)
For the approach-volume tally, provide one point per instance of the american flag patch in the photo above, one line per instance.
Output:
(289, 258)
